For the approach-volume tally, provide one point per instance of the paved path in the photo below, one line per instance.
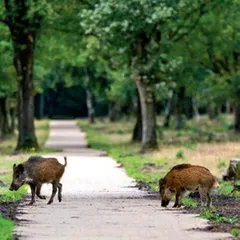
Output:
(100, 202)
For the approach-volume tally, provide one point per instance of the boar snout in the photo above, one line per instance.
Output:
(13, 187)
(165, 202)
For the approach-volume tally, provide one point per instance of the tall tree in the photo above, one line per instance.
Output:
(7, 82)
(24, 19)
(143, 31)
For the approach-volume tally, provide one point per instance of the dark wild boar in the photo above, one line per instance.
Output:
(36, 171)
(183, 178)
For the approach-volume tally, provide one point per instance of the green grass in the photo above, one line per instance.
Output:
(6, 228)
(236, 232)
(225, 188)
(7, 146)
(208, 214)
(188, 202)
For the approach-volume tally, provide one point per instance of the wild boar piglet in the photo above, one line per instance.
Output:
(37, 171)
(183, 178)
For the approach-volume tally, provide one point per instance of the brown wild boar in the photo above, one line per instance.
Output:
(183, 178)
(36, 171)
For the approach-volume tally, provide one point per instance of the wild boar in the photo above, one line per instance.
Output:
(183, 178)
(37, 171)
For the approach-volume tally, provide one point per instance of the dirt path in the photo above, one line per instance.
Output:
(100, 201)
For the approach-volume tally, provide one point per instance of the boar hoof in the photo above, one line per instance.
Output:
(50, 201)
(42, 197)
(31, 203)
(60, 199)
(176, 205)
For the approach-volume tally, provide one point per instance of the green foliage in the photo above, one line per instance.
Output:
(225, 188)
(8, 196)
(222, 164)
(188, 202)
(149, 24)
(218, 218)
(236, 232)
(180, 154)
(6, 227)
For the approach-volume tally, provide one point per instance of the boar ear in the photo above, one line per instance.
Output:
(14, 165)
(21, 168)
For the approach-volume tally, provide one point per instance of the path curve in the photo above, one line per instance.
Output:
(100, 201)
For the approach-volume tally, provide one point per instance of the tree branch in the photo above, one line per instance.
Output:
(176, 36)
(5, 21)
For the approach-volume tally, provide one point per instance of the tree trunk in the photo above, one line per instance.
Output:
(137, 132)
(24, 21)
(237, 117)
(169, 109)
(147, 99)
(89, 99)
(233, 171)
(112, 112)
(228, 107)
(90, 106)
(13, 119)
(180, 108)
(5, 128)
(195, 108)
(23, 61)
(211, 111)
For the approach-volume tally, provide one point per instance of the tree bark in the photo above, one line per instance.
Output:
(112, 112)
(180, 108)
(23, 61)
(23, 27)
(195, 108)
(137, 131)
(90, 107)
(211, 111)
(228, 107)
(89, 99)
(169, 109)
(147, 99)
(237, 117)
(5, 128)
(13, 120)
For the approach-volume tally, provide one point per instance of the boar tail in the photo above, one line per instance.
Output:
(65, 163)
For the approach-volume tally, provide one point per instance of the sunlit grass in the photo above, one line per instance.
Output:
(8, 145)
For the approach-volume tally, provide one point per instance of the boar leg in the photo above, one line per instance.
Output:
(59, 192)
(54, 191)
(178, 201)
(38, 192)
(208, 199)
(33, 191)
(203, 195)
